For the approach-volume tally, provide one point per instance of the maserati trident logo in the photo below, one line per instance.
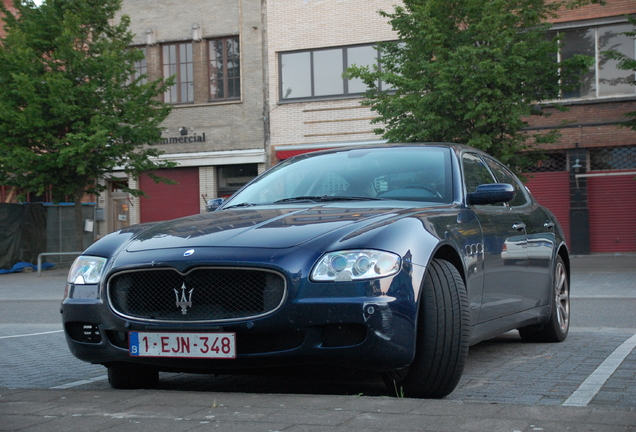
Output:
(184, 302)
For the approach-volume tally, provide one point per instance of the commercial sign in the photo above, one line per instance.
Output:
(183, 139)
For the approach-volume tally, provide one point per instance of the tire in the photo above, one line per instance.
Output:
(132, 377)
(442, 337)
(557, 327)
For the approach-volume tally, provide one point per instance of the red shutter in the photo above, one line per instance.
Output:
(164, 201)
(552, 190)
(612, 207)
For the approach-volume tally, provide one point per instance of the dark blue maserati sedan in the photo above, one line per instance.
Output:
(392, 258)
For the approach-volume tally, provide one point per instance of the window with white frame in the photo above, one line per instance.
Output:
(604, 79)
(141, 68)
(177, 62)
(317, 73)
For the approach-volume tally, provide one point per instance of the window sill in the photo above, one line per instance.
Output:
(590, 101)
(207, 104)
(320, 99)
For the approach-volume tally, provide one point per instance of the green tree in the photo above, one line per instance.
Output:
(470, 71)
(70, 112)
(627, 63)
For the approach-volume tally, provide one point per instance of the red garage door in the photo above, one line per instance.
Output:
(166, 201)
(552, 190)
(612, 207)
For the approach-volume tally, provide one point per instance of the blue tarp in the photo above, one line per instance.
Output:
(18, 267)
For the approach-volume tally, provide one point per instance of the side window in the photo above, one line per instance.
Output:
(505, 176)
(475, 172)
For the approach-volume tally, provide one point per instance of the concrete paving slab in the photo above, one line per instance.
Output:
(541, 376)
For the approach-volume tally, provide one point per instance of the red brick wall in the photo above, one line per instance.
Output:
(611, 8)
(9, 5)
(592, 124)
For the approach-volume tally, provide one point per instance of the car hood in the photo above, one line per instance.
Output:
(266, 227)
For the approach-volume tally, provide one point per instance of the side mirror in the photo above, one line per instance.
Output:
(213, 204)
(492, 194)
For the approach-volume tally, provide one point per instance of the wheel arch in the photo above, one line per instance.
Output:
(442, 331)
(448, 253)
(565, 256)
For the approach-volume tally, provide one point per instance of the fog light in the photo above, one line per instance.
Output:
(83, 332)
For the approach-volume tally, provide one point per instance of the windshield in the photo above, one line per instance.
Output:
(397, 173)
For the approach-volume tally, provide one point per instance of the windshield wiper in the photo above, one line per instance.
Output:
(306, 198)
(245, 204)
(325, 198)
(351, 198)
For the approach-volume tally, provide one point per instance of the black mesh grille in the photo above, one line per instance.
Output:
(205, 294)
(553, 162)
(612, 158)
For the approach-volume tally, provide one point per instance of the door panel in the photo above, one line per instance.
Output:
(120, 217)
(505, 260)
(539, 228)
(612, 204)
(505, 246)
(170, 201)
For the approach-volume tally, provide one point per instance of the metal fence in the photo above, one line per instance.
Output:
(60, 231)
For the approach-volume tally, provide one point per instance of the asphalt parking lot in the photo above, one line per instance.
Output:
(586, 383)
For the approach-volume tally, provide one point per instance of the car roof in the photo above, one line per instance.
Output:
(457, 148)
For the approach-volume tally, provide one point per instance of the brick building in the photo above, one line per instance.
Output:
(588, 179)
(259, 81)
(314, 108)
(216, 131)
(9, 5)
(588, 182)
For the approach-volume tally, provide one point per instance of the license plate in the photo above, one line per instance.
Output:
(183, 345)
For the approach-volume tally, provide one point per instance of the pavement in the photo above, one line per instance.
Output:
(102, 409)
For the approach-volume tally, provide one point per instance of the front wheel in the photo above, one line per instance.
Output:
(442, 337)
(557, 327)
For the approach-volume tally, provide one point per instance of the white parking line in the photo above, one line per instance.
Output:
(593, 384)
(79, 383)
(31, 334)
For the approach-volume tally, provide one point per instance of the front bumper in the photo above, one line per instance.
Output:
(364, 332)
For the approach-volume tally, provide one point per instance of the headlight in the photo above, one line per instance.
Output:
(353, 265)
(86, 270)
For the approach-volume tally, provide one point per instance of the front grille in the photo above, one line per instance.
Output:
(202, 294)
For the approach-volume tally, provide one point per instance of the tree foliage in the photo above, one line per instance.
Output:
(70, 113)
(470, 71)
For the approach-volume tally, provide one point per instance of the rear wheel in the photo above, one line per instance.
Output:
(442, 337)
(557, 327)
(132, 377)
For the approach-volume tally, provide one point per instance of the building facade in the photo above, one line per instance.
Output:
(588, 180)
(310, 44)
(258, 81)
(217, 129)
(9, 5)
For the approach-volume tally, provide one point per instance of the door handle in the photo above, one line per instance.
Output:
(548, 225)
(519, 226)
